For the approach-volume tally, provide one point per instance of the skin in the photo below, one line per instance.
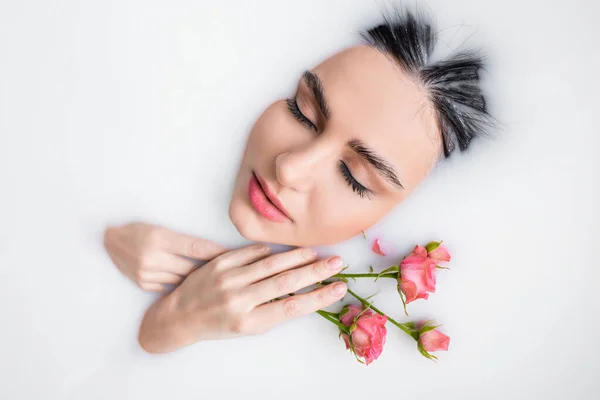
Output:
(369, 100)
(231, 295)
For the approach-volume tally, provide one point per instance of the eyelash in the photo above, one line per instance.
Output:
(353, 183)
(292, 105)
(357, 188)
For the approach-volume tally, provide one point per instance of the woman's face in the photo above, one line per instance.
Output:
(357, 138)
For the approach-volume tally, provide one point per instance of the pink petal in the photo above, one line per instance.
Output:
(434, 341)
(372, 354)
(361, 340)
(371, 323)
(414, 262)
(419, 251)
(376, 336)
(430, 278)
(417, 277)
(346, 340)
(440, 254)
(369, 358)
(409, 289)
(353, 310)
(377, 248)
(423, 295)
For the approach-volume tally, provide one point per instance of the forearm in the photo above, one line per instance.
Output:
(163, 328)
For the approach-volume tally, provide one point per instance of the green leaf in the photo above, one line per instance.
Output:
(364, 310)
(390, 270)
(366, 306)
(371, 269)
(368, 299)
(425, 353)
(353, 351)
(410, 325)
(358, 359)
(344, 311)
(364, 234)
(428, 327)
(402, 298)
(440, 267)
(432, 246)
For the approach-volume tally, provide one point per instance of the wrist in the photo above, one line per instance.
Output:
(163, 329)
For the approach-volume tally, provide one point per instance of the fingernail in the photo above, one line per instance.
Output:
(339, 289)
(334, 263)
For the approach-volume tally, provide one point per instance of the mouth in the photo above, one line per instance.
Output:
(265, 202)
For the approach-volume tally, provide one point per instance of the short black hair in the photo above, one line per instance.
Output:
(452, 84)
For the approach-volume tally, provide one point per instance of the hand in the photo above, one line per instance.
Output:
(153, 256)
(231, 296)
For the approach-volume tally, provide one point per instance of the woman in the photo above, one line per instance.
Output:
(362, 131)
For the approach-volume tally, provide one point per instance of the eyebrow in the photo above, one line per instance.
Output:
(383, 167)
(314, 84)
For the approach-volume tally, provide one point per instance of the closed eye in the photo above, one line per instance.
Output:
(292, 105)
(356, 186)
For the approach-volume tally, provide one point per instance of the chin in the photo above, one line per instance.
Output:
(249, 225)
(245, 226)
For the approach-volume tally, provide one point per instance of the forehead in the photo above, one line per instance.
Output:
(371, 98)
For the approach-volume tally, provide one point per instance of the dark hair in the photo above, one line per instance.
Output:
(452, 83)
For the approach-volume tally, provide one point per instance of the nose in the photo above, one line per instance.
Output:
(298, 169)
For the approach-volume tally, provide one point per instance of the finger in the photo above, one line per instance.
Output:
(121, 266)
(174, 264)
(163, 277)
(192, 247)
(290, 281)
(152, 287)
(274, 265)
(241, 257)
(268, 315)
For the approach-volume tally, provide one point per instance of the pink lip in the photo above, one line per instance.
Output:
(265, 202)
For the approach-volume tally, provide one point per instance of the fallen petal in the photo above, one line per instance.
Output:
(377, 248)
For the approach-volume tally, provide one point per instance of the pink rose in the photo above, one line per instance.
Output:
(417, 275)
(439, 253)
(367, 329)
(434, 340)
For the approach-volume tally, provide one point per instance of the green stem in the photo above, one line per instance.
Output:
(404, 328)
(329, 318)
(393, 275)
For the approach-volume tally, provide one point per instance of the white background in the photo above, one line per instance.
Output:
(112, 111)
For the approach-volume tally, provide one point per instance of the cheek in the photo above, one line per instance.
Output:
(341, 214)
(271, 131)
